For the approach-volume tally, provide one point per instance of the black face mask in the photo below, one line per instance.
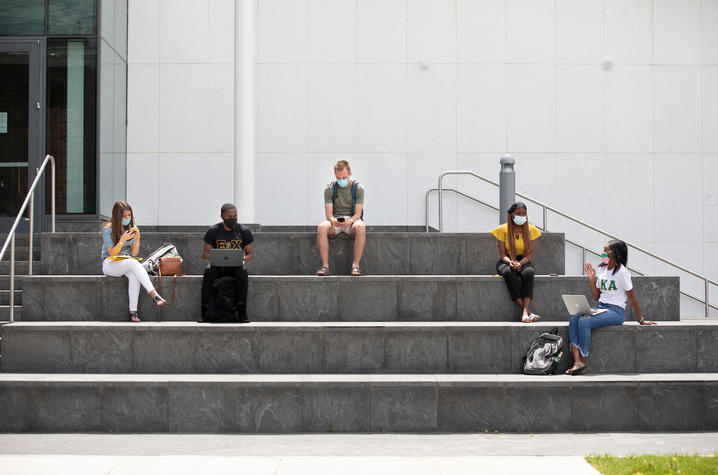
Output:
(230, 222)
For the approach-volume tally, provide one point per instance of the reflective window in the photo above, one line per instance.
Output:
(71, 121)
(22, 17)
(72, 17)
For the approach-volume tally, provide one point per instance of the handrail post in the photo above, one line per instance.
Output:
(12, 278)
(52, 198)
(29, 236)
(507, 186)
(426, 210)
(545, 215)
(441, 193)
(707, 305)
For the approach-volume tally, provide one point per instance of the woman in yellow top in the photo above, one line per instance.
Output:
(515, 257)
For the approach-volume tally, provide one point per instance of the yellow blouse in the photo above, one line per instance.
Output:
(501, 234)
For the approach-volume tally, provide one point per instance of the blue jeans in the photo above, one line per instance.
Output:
(579, 328)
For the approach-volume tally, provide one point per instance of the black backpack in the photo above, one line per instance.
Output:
(544, 354)
(224, 304)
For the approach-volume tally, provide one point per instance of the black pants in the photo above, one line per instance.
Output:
(211, 273)
(520, 284)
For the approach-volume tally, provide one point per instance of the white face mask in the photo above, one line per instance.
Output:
(519, 220)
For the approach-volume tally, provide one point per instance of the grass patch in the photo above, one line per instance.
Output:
(654, 464)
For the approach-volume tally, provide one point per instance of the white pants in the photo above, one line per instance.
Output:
(135, 273)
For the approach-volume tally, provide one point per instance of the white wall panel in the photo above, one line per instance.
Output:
(381, 31)
(423, 171)
(184, 31)
(531, 113)
(709, 31)
(281, 107)
(678, 109)
(384, 177)
(143, 36)
(143, 188)
(528, 167)
(579, 31)
(677, 31)
(220, 184)
(481, 31)
(709, 108)
(331, 31)
(581, 180)
(183, 171)
(184, 107)
(143, 107)
(432, 108)
(580, 114)
(431, 30)
(281, 31)
(331, 108)
(481, 107)
(677, 216)
(381, 108)
(628, 27)
(710, 199)
(221, 31)
(281, 197)
(629, 109)
(629, 196)
(220, 133)
(530, 31)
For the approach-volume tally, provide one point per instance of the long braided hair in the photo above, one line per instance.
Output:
(512, 228)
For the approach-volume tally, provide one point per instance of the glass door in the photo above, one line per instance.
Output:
(21, 128)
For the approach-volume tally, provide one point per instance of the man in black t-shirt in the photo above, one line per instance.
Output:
(227, 235)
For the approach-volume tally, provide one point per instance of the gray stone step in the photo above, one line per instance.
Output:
(357, 403)
(309, 298)
(21, 253)
(296, 253)
(5, 297)
(5, 313)
(336, 348)
(20, 267)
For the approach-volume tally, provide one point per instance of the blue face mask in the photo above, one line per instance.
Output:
(126, 222)
(343, 182)
(519, 220)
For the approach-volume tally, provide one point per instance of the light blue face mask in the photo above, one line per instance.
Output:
(519, 220)
(343, 182)
(126, 222)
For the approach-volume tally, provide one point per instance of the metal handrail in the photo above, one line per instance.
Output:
(10, 240)
(545, 208)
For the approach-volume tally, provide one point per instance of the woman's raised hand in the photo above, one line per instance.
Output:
(590, 272)
(127, 235)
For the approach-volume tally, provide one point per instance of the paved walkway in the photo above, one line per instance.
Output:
(346, 454)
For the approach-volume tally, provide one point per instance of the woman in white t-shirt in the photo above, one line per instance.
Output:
(611, 285)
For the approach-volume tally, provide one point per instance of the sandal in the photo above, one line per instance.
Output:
(323, 271)
(534, 317)
(356, 271)
(159, 301)
(526, 319)
(577, 371)
(134, 317)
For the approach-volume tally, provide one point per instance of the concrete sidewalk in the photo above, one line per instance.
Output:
(348, 454)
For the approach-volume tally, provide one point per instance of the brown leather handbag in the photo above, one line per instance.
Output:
(170, 266)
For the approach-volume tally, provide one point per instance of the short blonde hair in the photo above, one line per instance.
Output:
(341, 165)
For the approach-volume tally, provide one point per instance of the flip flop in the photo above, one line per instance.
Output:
(134, 317)
(526, 319)
(356, 271)
(159, 301)
(534, 317)
(577, 371)
(324, 270)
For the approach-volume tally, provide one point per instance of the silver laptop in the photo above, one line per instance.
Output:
(226, 258)
(578, 304)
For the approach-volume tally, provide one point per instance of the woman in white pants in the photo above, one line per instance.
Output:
(121, 241)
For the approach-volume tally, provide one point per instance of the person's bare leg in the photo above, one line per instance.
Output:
(579, 361)
(359, 233)
(324, 230)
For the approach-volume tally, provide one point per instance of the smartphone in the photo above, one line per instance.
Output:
(341, 220)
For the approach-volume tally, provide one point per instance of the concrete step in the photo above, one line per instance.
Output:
(5, 313)
(5, 297)
(357, 403)
(20, 267)
(21, 253)
(296, 253)
(309, 298)
(341, 348)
